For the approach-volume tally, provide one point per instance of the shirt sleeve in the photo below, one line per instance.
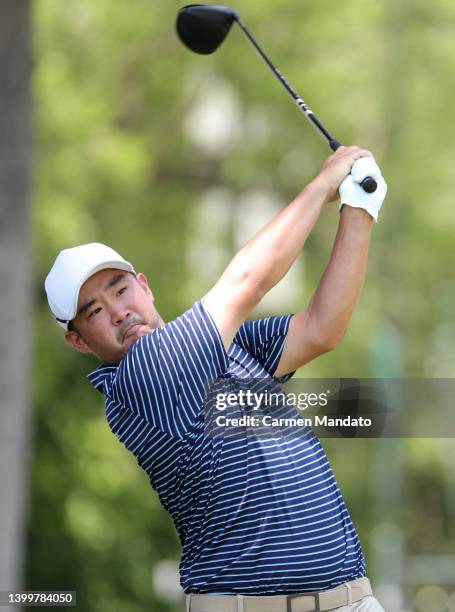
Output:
(163, 377)
(264, 340)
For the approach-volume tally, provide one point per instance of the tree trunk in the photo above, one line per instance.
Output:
(14, 282)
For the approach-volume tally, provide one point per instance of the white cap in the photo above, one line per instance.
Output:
(70, 271)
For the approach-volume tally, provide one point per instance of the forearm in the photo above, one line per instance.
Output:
(266, 258)
(339, 289)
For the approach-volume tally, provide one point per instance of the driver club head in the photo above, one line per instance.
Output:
(202, 28)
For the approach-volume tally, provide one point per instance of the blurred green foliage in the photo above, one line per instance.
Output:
(114, 97)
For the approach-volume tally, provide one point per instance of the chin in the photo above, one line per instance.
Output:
(130, 341)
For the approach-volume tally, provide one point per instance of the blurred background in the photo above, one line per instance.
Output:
(111, 131)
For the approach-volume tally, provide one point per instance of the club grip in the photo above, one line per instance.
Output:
(368, 184)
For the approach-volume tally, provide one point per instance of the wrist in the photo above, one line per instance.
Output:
(351, 213)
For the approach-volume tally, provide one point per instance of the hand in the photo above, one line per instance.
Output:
(336, 168)
(352, 194)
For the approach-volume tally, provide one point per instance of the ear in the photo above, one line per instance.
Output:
(142, 280)
(76, 341)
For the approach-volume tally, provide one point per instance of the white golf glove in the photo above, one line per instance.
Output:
(352, 194)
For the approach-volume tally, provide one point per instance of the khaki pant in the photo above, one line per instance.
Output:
(367, 604)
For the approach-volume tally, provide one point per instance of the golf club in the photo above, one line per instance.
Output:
(203, 28)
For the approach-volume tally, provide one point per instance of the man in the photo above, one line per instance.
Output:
(261, 519)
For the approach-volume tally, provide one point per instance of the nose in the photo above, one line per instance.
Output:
(119, 315)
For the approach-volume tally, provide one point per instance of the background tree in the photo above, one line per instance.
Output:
(15, 328)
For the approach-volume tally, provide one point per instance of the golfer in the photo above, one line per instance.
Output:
(262, 523)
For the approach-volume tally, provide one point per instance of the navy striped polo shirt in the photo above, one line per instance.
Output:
(255, 515)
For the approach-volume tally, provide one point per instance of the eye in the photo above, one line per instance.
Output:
(122, 290)
(94, 312)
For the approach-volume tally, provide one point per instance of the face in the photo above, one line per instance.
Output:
(114, 309)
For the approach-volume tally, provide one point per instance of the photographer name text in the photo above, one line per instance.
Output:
(270, 421)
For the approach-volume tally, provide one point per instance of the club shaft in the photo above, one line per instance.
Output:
(333, 143)
(368, 183)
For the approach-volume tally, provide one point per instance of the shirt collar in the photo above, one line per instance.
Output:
(99, 376)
